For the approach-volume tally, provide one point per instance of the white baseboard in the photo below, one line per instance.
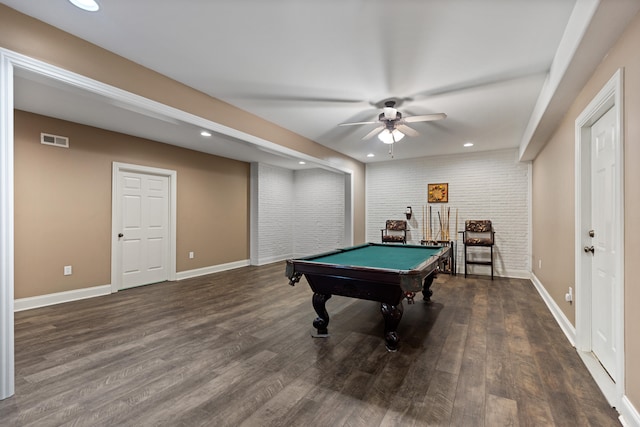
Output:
(485, 271)
(272, 259)
(97, 291)
(564, 323)
(601, 377)
(629, 416)
(29, 303)
(212, 269)
(516, 274)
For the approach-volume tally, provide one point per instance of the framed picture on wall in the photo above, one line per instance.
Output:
(438, 193)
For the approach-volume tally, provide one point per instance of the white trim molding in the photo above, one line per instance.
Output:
(629, 415)
(610, 96)
(30, 303)
(39, 301)
(272, 259)
(7, 373)
(188, 274)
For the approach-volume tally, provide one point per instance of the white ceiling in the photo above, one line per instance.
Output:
(309, 65)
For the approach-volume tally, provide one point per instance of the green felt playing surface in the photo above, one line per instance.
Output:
(395, 257)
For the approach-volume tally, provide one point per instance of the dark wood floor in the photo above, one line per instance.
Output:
(235, 349)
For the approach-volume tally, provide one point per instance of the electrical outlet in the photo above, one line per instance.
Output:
(191, 255)
(68, 271)
(568, 297)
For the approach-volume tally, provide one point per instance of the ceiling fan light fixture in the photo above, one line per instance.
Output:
(390, 113)
(88, 5)
(390, 137)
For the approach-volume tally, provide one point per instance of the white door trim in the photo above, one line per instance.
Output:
(7, 375)
(116, 209)
(610, 96)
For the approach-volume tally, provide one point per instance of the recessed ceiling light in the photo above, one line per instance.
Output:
(371, 155)
(88, 5)
(302, 163)
(468, 144)
(205, 133)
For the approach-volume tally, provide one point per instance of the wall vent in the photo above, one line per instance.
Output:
(55, 140)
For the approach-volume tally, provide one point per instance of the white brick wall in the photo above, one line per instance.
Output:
(488, 185)
(298, 212)
(275, 193)
(319, 211)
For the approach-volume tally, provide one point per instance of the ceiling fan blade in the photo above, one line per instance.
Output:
(312, 99)
(425, 118)
(373, 132)
(357, 123)
(488, 80)
(291, 98)
(407, 130)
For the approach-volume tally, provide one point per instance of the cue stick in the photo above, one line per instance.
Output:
(441, 221)
(426, 212)
(444, 223)
(430, 223)
(448, 223)
(439, 234)
(424, 226)
(456, 225)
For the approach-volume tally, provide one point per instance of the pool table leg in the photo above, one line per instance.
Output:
(426, 290)
(392, 315)
(322, 321)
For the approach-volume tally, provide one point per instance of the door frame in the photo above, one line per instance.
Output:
(116, 220)
(610, 96)
(7, 356)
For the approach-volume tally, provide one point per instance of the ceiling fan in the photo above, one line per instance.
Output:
(392, 126)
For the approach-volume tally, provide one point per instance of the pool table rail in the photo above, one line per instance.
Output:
(409, 280)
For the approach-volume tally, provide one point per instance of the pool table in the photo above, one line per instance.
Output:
(387, 273)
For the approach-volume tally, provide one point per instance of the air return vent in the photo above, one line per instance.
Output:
(55, 140)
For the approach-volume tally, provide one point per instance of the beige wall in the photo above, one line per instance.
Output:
(553, 194)
(31, 37)
(63, 204)
(552, 220)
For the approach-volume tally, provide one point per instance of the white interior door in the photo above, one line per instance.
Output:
(143, 235)
(603, 217)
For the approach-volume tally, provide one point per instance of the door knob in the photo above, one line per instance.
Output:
(588, 249)
(120, 235)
